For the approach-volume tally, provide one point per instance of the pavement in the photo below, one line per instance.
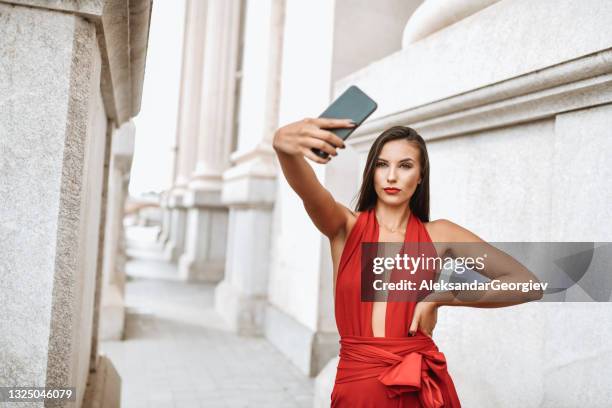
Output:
(179, 353)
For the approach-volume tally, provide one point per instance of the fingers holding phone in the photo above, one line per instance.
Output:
(318, 138)
(331, 123)
(321, 151)
(307, 134)
(353, 104)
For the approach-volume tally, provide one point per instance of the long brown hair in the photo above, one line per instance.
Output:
(419, 202)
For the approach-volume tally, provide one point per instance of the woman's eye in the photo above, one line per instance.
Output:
(406, 166)
(380, 164)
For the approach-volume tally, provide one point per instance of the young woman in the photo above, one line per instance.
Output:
(387, 357)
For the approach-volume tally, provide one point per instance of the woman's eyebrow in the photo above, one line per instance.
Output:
(402, 160)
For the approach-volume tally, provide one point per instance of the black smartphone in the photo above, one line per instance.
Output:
(353, 104)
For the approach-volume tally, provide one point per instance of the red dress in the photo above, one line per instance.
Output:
(397, 370)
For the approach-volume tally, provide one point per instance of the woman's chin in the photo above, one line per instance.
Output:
(393, 201)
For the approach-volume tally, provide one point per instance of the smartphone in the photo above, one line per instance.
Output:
(353, 104)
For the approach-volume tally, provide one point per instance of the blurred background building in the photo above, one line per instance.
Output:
(512, 96)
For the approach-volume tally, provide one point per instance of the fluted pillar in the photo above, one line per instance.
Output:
(191, 89)
(175, 213)
(207, 219)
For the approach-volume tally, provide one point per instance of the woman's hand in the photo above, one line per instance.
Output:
(425, 318)
(299, 137)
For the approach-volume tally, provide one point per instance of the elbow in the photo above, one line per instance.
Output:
(276, 142)
(534, 294)
(534, 287)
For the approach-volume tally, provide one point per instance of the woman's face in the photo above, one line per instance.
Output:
(397, 172)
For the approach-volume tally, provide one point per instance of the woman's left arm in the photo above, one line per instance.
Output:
(461, 242)
(498, 266)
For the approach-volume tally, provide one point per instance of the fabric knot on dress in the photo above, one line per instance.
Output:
(402, 365)
(413, 373)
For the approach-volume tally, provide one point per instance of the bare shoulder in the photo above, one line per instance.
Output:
(443, 230)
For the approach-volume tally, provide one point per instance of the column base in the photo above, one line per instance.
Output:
(112, 314)
(193, 270)
(205, 239)
(172, 252)
(103, 386)
(175, 245)
(244, 313)
(308, 349)
(164, 231)
(163, 237)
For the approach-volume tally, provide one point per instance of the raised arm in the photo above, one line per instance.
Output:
(292, 144)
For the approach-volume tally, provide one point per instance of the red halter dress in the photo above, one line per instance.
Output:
(397, 370)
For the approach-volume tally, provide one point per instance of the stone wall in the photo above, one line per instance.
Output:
(65, 80)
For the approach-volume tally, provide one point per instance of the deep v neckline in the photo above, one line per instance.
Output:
(371, 308)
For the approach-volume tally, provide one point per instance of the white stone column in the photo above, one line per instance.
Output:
(249, 187)
(175, 213)
(164, 232)
(112, 313)
(207, 221)
(191, 89)
(175, 245)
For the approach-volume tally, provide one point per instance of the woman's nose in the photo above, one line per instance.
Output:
(391, 174)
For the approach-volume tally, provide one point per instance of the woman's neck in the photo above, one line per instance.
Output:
(392, 217)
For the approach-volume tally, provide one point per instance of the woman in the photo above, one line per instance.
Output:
(387, 356)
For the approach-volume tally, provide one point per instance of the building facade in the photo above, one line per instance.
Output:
(512, 98)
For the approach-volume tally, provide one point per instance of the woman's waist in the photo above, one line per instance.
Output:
(419, 338)
(385, 357)
(367, 348)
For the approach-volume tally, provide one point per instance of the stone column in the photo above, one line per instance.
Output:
(207, 224)
(69, 69)
(93, 356)
(187, 127)
(164, 232)
(249, 186)
(51, 183)
(175, 245)
(112, 313)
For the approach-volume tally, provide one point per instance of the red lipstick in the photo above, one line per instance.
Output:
(392, 190)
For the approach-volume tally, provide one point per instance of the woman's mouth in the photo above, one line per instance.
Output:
(392, 190)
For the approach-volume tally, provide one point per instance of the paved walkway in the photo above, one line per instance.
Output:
(179, 353)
